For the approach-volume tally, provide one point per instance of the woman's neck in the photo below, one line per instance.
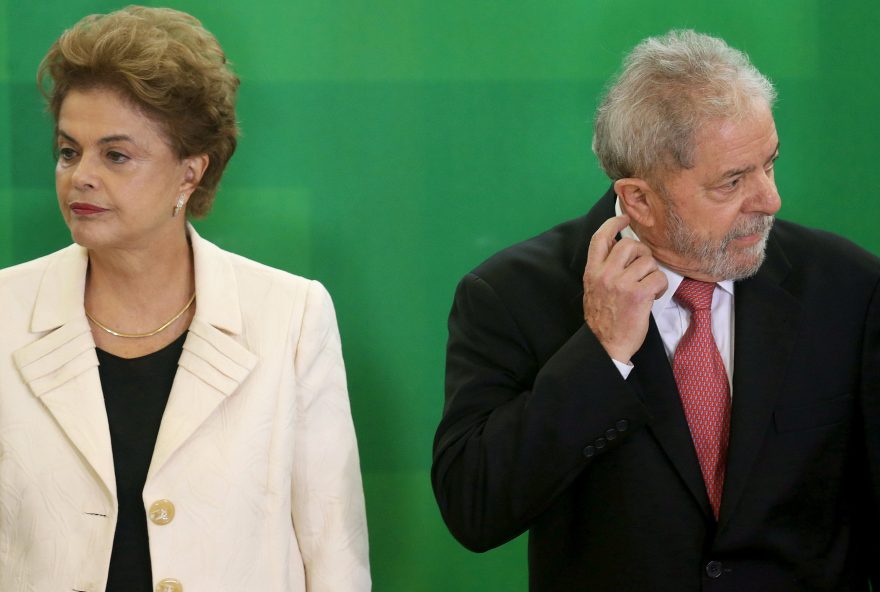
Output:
(135, 291)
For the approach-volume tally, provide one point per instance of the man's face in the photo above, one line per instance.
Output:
(714, 218)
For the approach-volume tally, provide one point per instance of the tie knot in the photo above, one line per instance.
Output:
(695, 295)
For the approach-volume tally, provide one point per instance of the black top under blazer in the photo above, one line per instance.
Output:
(540, 432)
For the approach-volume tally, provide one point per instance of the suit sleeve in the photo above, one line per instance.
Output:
(517, 431)
(327, 500)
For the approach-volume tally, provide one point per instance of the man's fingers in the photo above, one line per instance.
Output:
(645, 272)
(604, 238)
(658, 283)
(640, 267)
(626, 251)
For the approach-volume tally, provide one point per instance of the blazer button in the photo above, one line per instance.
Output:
(714, 569)
(161, 513)
(169, 585)
(622, 425)
(599, 443)
(610, 434)
(590, 451)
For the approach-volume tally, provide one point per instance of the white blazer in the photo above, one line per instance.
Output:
(256, 449)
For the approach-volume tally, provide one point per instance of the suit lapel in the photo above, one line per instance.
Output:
(766, 318)
(213, 363)
(657, 383)
(61, 367)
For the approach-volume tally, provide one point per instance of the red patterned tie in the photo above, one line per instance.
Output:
(702, 384)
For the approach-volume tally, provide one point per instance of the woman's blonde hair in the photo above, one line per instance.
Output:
(169, 66)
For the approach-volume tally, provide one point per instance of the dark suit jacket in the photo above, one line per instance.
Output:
(541, 433)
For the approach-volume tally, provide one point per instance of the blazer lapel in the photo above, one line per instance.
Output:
(61, 367)
(213, 363)
(657, 383)
(766, 318)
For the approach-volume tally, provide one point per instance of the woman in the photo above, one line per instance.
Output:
(172, 416)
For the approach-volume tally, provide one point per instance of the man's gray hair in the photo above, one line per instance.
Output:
(669, 87)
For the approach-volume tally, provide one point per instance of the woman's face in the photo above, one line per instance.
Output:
(117, 179)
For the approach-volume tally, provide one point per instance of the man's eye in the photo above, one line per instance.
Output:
(117, 157)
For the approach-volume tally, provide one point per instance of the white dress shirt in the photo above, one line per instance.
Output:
(673, 319)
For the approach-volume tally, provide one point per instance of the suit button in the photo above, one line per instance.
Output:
(589, 451)
(161, 512)
(622, 425)
(169, 585)
(714, 569)
(599, 443)
(610, 434)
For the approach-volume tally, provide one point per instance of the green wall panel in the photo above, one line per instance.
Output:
(6, 218)
(389, 146)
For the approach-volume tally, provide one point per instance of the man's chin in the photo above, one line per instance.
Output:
(746, 262)
(750, 270)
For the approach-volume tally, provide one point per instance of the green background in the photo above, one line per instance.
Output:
(389, 146)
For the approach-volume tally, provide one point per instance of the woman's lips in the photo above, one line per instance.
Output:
(85, 209)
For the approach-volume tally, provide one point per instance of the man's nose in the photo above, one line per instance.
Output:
(766, 198)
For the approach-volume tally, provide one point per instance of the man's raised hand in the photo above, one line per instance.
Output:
(621, 282)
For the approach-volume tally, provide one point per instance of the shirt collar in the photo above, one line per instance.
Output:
(672, 278)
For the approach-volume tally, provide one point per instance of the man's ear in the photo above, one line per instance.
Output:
(194, 171)
(637, 200)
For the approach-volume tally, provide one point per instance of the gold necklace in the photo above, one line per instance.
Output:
(151, 333)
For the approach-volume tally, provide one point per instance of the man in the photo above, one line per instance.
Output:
(670, 393)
